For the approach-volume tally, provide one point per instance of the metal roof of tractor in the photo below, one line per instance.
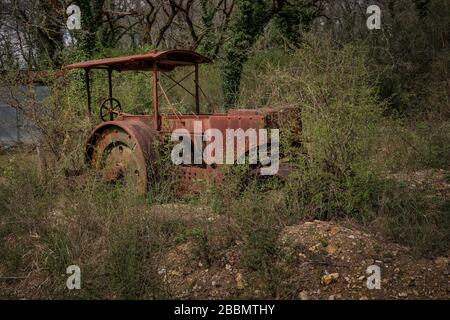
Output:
(165, 61)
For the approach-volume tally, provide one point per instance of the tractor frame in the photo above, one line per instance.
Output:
(122, 145)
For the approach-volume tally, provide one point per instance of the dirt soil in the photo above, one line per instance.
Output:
(318, 260)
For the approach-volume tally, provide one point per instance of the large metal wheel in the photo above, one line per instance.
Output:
(119, 158)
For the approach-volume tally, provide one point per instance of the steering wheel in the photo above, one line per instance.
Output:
(112, 109)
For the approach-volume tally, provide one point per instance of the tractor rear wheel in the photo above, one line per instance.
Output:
(118, 158)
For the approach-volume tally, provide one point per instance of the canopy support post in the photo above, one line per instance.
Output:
(110, 85)
(155, 96)
(197, 93)
(88, 89)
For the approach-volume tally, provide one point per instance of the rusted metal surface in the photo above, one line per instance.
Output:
(165, 61)
(158, 62)
(124, 150)
(141, 134)
(109, 109)
(193, 179)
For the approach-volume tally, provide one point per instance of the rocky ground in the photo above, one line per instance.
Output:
(318, 260)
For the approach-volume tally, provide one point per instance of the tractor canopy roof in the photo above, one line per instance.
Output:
(161, 60)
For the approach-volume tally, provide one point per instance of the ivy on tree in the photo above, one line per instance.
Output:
(247, 25)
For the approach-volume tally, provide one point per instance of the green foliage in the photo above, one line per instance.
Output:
(247, 25)
(102, 228)
(411, 57)
(208, 43)
(130, 261)
(415, 146)
(349, 144)
(294, 18)
(332, 91)
(59, 255)
(91, 21)
(163, 175)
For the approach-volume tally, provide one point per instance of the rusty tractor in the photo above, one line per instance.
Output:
(122, 145)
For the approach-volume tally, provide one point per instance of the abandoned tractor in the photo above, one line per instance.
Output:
(122, 146)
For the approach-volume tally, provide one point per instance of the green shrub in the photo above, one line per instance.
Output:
(350, 143)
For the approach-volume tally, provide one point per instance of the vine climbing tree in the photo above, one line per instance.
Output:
(248, 24)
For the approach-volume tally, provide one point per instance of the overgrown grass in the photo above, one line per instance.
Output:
(50, 224)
